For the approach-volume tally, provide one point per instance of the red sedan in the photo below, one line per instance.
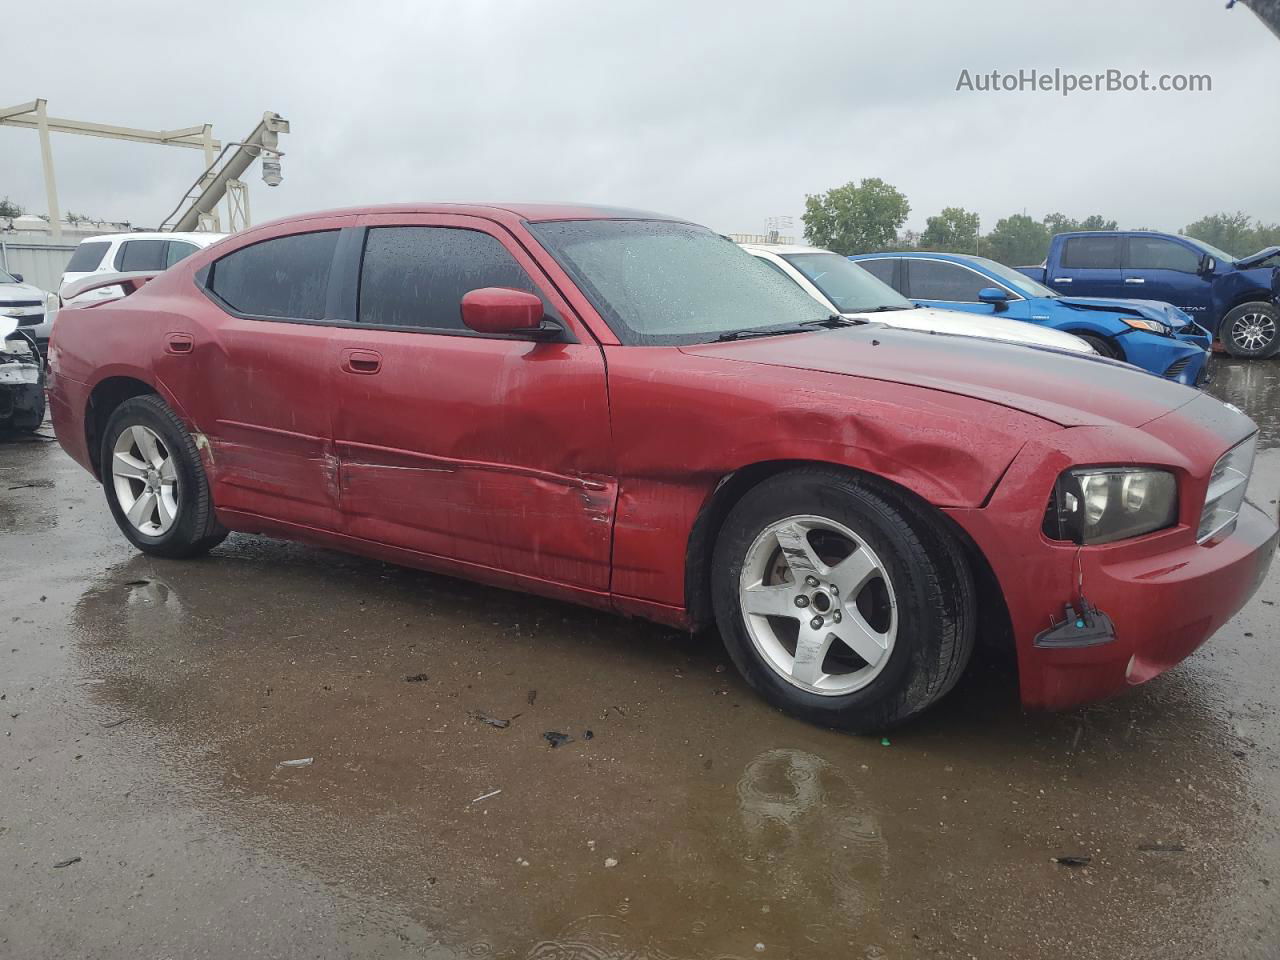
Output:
(628, 411)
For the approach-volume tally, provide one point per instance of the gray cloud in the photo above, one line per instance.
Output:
(724, 112)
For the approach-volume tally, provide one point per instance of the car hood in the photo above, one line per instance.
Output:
(1244, 263)
(1165, 313)
(962, 324)
(1068, 389)
(20, 293)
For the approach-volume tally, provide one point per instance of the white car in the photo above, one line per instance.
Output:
(129, 253)
(845, 288)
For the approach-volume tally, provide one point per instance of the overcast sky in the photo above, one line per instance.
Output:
(726, 113)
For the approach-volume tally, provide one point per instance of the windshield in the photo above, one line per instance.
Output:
(1211, 250)
(846, 284)
(1011, 278)
(658, 282)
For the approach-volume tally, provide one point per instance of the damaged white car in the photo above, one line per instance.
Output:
(21, 379)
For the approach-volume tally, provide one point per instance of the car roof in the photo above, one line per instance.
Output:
(781, 248)
(199, 239)
(503, 212)
(921, 255)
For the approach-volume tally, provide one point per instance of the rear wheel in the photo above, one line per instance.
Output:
(155, 482)
(840, 601)
(1250, 330)
(1104, 346)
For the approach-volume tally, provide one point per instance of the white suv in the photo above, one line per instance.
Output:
(129, 253)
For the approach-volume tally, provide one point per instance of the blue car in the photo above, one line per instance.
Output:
(1157, 337)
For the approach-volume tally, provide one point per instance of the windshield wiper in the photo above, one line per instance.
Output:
(830, 322)
(883, 308)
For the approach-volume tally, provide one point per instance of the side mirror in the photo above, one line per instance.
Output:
(17, 277)
(501, 310)
(994, 296)
(1207, 264)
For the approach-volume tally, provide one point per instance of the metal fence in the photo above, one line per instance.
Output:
(40, 264)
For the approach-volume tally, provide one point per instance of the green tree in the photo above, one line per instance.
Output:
(9, 209)
(1057, 223)
(1237, 233)
(856, 218)
(954, 230)
(1017, 240)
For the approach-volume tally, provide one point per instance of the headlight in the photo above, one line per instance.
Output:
(1227, 486)
(1102, 504)
(1151, 326)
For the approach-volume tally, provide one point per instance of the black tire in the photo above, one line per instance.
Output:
(932, 581)
(195, 529)
(1259, 319)
(1105, 347)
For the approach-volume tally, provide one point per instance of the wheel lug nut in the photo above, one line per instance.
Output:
(802, 601)
(836, 616)
(833, 590)
(811, 581)
(816, 622)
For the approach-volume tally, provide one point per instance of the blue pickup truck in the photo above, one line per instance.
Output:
(1232, 299)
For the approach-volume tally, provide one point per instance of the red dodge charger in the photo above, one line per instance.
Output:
(628, 411)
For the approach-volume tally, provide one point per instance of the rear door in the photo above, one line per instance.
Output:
(253, 366)
(1158, 268)
(1089, 266)
(487, 450)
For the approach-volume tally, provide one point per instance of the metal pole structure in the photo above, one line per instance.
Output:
(263, 142)
(210, 155)
(50, 184)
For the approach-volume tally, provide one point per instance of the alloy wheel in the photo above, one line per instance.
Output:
(1253, 331)
(145, 480)
(818, 605)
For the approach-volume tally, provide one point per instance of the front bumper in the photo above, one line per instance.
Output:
(1163, 593)
(1182, 358)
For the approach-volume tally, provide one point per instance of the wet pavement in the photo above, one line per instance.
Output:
(146, 707)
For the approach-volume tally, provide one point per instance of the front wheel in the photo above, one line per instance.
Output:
(1104, 346)
(841, 601)
(1249, 331)
(155, 482)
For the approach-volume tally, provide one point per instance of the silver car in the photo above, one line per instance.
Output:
(32, 308)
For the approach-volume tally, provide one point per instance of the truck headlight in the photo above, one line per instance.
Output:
(1227, 486)
(1103, 504)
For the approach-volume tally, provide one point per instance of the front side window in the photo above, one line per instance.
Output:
(178, 250)
(286, 277)
(846, 284)
(939, 280)
(661, 282)
(1091, 253)
(87, 256)
(1155, 253)
(141, 255)
(417, 276)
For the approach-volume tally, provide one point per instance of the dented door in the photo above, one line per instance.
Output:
(487, 451)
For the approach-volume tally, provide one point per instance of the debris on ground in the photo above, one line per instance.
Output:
(588, 735)
(533, 695)
(610, 862)
(108, 724)
(66, 863)
(1072, 861)
(556, 739)
(486, 796)
(884, 741)
(136, 583)
(417, 678)
(491, 721)
(304, 762)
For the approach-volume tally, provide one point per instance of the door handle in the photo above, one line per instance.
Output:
(1061, 279)
(361, 361)
(1134, 280)
(178, 343)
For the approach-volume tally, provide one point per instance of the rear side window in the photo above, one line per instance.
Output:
(1092, 253)
(141, 255)
(178, 250)
(416, 276)
(939, 280)
(1154, 253)
(286, 277)
(881, 269)
(87, 256)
